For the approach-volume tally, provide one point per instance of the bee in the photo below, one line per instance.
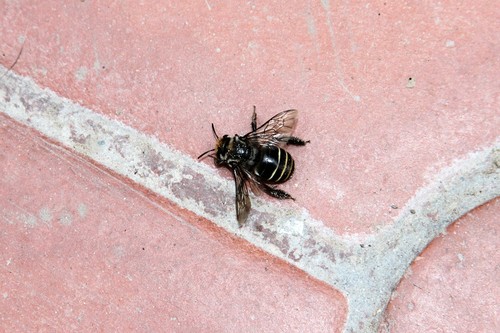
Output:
(258, 159)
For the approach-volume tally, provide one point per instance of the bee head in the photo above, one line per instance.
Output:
(222, 147)
(221, 150)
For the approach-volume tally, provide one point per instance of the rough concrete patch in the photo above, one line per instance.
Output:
(45, 215)
(29, 220)
(82, 210)
(65, 218)
(81, 73)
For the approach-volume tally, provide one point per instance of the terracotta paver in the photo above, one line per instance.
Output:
(81, 250)
(453, 285)
(109, 104)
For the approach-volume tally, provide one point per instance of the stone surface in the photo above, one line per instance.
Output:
(453, 285)
(400, 102)
(81, 250)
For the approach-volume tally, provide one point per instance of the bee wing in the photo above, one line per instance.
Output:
(278, 127)
(243, 203)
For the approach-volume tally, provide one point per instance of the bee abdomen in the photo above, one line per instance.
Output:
(276, 165)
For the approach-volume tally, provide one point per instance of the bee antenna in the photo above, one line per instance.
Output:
(208, 151)
(215, 133)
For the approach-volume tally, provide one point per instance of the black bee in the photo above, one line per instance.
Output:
(258, 159)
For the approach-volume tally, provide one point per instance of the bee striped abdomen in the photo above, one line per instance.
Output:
(275, 165)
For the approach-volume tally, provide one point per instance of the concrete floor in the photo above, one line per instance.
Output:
(109, 223)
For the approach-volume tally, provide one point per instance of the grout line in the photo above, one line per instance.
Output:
(365, 268)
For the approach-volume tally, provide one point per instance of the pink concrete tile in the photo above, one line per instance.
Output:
(170, 69)
(453, 286)
(389, 95)
(81, 250)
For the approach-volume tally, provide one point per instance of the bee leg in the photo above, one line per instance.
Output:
(275, 192)
(254, 119)
(292, 140)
